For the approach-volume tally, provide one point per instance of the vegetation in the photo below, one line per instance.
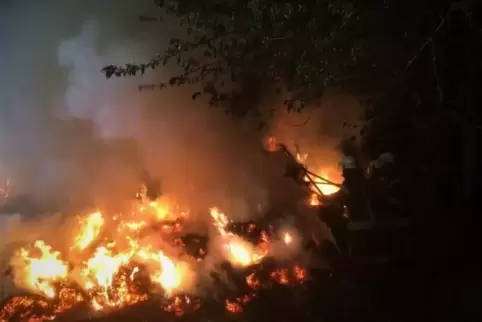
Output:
(300, 47)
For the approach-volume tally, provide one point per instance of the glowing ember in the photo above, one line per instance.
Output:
(314, 200)
(236, 306)
(233, 306)
(253, 281)
(271, 144)
(287, 238)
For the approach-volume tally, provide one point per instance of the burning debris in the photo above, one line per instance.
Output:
(116, 261)
(146, 256)
(320, 182)
(365, 214)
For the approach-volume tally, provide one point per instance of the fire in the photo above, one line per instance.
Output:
(92, 225)
(300, 273)
(236, 305)
(40, 268)
(242, 253)
(109, 265)
(286, 276)
(101, 268)
(314, 200)
(220, 221)
(271, 144)
(287, 238)
(233, 306)
(253, 281)
(162, 209)
(332, 176)
(239, 251)
(170, 277)
(325, 187)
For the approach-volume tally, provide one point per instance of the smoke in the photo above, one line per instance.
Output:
(68, 131)
(202, 156)
(72, 140)
(45, 152)
(317, 131)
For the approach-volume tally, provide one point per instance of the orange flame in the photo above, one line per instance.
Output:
(239, 251)
(38, 272)
(326, 188)
(110, 262)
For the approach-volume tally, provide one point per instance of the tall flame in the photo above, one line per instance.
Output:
(40, 271)
(91, 228)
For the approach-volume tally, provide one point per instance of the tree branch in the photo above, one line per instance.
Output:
(429, 40)
(465, 10)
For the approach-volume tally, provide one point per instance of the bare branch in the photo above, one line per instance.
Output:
(429, 40)
(468, 14)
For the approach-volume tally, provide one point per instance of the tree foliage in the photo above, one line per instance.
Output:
(237, 51)
(303, 47)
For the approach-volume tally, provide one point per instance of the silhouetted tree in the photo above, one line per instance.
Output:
(237, 49)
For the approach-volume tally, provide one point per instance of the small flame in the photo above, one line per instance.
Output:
(271, 144)
(239, 251)
(314, 200)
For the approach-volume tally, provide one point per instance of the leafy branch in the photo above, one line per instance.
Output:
(237, 51)
(302, 47)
